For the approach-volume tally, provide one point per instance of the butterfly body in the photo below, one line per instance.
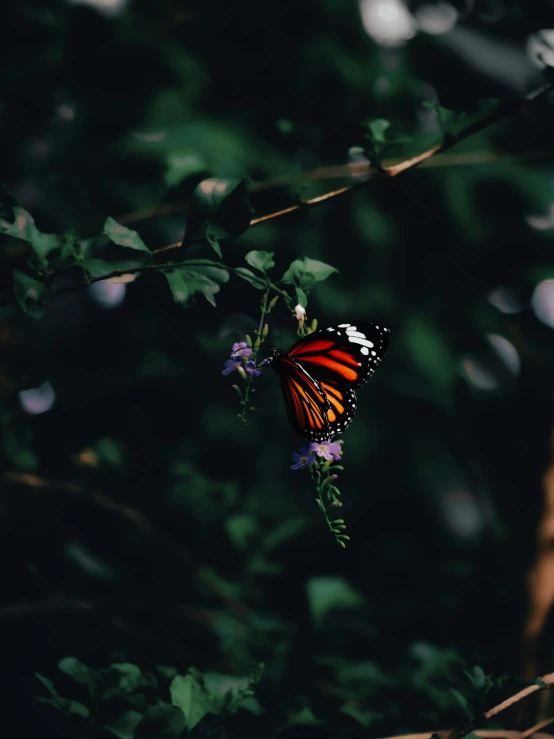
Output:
(321, 371)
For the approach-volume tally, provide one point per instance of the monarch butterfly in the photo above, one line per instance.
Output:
(321, 371)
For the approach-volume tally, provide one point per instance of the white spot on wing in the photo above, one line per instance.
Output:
(356, 333)
(363, 342)
(365, 350)
(344, 325)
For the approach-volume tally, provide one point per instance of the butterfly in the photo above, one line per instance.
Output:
(321, 371)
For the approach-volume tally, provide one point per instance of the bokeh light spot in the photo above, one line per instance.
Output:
(542, 302)
(436, 18)
(388, 23)
(37, 400)
(108, 294)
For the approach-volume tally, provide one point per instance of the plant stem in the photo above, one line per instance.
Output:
(256, 351)
(321, 482)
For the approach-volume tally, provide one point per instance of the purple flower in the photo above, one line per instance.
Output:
(302, 458)
(329, 450)
(230, 366)
(250, 369)
(240, 349)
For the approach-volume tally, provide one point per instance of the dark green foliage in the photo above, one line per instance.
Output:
(379, 139)
(219, 209)
(202, 276)
(146, 705)
(304, 273)
(454, 123)
(143, 529)
(29, 293)
(124, 236)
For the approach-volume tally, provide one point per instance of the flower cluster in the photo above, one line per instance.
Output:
(239, 361)
(320, 458)
(330, 451)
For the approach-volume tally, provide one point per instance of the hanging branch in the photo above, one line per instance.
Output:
(457, 133)
(392, 170)
(337, 171)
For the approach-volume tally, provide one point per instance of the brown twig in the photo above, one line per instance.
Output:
(339, 171)
(485, 733)
(393, 170)
(543, 683)
(534, 729)
(374, 173)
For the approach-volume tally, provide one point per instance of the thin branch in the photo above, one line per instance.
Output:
(543, 683)
(534, 729)
(386, 172)
(340, 171)
(485, 733)
(373, 173)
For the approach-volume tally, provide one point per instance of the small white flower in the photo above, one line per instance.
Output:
(300, 312)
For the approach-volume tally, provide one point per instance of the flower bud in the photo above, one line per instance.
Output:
(300, 313)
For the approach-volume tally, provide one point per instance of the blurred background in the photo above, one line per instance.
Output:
(139, 522)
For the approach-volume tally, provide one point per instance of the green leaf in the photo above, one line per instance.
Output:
(29, 293)
(23, 227)
(463, 701)
(222, 206)
(131, 675)
(81, 673)
(213, 242)
(161, 722)
(126, 725)
(48, 684)
(327, 594)
(301, 297)
(454, 123)
(189, 693)
(96, 267)
(262, 260)
(305, 272)
(249, 276)
(241, 530)
(184, 282)
(379, 138)
(66, 704)
(167, 672)
(123, 236)
(478, 677)
(303, 716)
(230, 693)
(181, 164)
